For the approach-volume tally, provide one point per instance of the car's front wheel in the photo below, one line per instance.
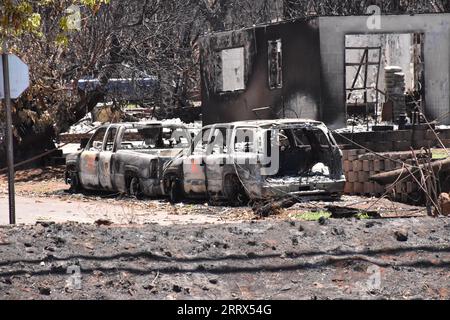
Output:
(175, 191)
(134, 188)
(235, 192)
(74, 182)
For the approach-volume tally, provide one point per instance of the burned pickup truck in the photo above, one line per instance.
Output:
(256, 160)
(127, 157)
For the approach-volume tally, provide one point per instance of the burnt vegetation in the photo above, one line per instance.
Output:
(139, 39)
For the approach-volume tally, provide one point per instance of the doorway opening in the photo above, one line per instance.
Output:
(377, 66)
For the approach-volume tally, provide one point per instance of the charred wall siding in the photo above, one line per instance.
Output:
(300, 94)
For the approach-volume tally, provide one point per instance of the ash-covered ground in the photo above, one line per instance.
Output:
(203, 252)
(345, 258)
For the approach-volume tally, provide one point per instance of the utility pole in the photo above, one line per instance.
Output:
(9, 134)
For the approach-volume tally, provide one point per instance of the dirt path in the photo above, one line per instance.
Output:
(343, 258)
(29, 210)
(42, 196)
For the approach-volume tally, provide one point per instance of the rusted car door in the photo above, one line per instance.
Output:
(105, 159)
(89, 174)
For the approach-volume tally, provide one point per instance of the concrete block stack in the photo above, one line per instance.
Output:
(395, 90)
(359, 166)
(358, 171)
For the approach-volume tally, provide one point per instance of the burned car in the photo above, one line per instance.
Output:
(127, 157)
(256, 160)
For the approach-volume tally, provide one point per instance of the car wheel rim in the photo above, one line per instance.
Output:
(134, 187)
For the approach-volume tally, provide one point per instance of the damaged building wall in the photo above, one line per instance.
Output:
(393, 53)
(281, 73)
(435, 28)
(312, 81)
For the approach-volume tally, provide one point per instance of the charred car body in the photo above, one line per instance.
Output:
(127, 157)
(258, 160)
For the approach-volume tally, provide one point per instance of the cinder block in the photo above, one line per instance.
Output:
(361, 151)
(371, 165)
(369, 188)
(352, 155)
(444, 134)
(399, 135)
(418, 134)
(378, 136)
(379, 189)
(431, 135)
(417, 144)
(366, 165)
(390, 190)
(344, 155)
(359, 138)
(378, 165)
(347, 166)
(388, 165)
(369, 145)
(357, 165)
(358, 188)
(446, 143)
(405, 156)
(348, 188)
(363, 176)
(352, 176)
(383, 146)
(401, 145)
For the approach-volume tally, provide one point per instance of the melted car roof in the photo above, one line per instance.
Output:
(271, 122)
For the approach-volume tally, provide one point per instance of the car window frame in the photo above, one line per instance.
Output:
(105, 140)
(91, 140)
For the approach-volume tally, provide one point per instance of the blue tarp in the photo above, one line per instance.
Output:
(124, 89)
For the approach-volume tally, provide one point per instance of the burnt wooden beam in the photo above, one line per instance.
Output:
(390, 177)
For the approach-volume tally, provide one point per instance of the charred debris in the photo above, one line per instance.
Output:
(381, 130)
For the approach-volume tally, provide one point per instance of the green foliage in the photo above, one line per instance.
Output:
(94, 4)
(23, 16)
(313, 216)
(440, 154)
(39, 33)
(363, 215)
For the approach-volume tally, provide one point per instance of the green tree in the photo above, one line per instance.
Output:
(37, 31)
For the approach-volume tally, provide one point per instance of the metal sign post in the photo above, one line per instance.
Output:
(9, 135)
(14, 80)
